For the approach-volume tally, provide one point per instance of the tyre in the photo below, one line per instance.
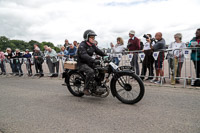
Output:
(128, 87)
(75, 83)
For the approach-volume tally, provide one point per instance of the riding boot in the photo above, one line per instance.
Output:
(87, 82)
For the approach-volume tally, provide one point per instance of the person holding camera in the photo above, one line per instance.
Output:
(85, 61)
(159, 46)
(133, 45)
(18, 61)
(117, 49)
(148, 59)
(9, 56)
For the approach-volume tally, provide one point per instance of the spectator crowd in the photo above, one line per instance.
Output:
(153, 47)
(16, 58)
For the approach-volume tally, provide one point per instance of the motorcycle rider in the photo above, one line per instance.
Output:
(85, 61)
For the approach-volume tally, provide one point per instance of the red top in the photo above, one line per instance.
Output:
(133, 44)
(198, 41)
(2, 56)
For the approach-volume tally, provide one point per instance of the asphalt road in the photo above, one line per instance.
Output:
(44, 106)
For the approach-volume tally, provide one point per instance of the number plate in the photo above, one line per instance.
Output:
(113, 65)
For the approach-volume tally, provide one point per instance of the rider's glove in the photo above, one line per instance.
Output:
(97, 62)
(105, 57)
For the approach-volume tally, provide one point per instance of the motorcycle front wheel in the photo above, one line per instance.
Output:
(128, 87)
(75, 83)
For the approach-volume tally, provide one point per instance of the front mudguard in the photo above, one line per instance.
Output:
(112, 82)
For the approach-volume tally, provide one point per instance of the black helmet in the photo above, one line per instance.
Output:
(88, 33)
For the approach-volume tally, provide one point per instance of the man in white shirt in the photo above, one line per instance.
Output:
(52, 55)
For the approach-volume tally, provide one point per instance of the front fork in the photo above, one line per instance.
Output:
(112, 83)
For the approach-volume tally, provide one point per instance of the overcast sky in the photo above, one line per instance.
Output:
(57, 20)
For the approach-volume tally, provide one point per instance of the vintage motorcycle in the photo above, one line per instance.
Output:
(125, 85)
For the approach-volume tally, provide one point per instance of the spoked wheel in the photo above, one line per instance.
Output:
(128, 87)
(75, 83)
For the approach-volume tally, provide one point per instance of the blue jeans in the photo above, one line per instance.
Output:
(28, 67)
(134, 63)
(116, 60)
(18, 68)
(12, 66)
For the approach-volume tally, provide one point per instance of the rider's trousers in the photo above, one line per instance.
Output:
(89, 74)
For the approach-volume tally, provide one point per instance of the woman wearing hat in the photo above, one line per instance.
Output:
(27, 55)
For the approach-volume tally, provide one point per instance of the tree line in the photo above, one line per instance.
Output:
(23, 45)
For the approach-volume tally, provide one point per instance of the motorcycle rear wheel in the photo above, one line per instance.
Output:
(75, 83)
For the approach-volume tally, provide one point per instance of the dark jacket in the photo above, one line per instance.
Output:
(85, 53)
(40, 59)
(133, 44)
(9, 56)
(28, 56)
(17, 57)
(72, 52)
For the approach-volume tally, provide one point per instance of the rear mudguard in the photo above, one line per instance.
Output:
(72, 71)
(66, 72)
(112, 85)
(125, 68)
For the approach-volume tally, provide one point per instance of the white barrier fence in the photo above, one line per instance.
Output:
(187, 72)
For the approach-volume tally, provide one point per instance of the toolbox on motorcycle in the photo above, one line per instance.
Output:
(70, 65)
